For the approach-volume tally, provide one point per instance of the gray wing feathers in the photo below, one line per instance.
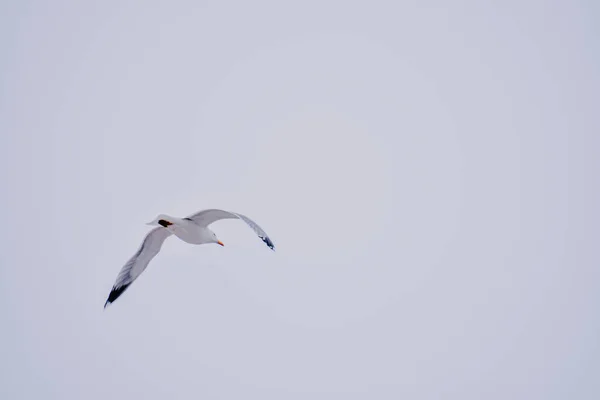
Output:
(207, 217)
(138, 262)
(259, 231)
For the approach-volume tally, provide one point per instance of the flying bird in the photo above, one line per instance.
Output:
(192, 229)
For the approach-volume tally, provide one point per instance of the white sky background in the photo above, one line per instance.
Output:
(427, 171)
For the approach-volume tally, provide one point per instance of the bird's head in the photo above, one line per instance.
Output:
(214, 238)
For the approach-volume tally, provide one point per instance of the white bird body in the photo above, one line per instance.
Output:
(186, 229)
(193, 229)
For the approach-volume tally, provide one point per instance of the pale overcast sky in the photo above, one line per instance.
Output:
(427, 170)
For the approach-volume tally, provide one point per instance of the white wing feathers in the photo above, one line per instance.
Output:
(138, 262)
(207, 217)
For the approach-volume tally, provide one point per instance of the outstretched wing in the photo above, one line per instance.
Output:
(207, 217)
(138, 262)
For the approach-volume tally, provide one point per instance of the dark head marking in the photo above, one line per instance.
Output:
(164, 222)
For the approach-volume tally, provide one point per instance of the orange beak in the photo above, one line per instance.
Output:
(221, 243)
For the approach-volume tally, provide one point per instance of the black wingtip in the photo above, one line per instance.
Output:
(268, 242)
(115, 293)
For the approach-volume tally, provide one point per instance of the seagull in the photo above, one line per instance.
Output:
(192, 229)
